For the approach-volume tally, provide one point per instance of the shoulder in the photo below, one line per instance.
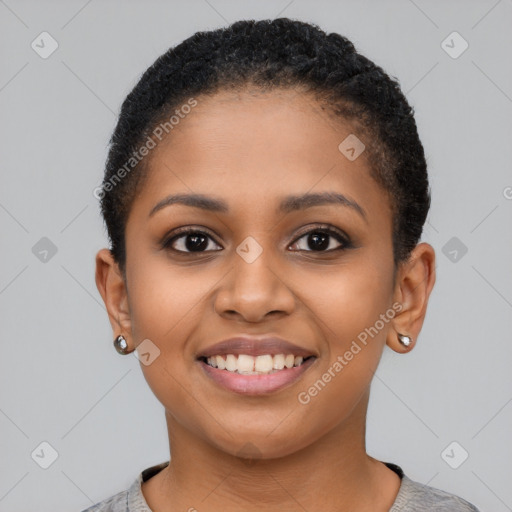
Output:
(416, 497)
(132, 499)
(116, 503)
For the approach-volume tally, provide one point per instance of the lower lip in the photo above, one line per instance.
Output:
(256, 384)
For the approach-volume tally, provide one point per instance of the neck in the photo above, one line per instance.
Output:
(334, 473)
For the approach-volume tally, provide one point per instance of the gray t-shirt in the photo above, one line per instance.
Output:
(412, 496)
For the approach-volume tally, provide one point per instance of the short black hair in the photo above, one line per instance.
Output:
(269, 54)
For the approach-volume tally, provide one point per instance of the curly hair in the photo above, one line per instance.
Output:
(269, 54)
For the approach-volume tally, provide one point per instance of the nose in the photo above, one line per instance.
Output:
(252, 291)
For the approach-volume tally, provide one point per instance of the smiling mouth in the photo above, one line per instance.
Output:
(245, 364)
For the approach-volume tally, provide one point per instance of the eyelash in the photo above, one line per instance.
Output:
(341, 238)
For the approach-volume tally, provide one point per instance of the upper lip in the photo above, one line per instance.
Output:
(254, 347)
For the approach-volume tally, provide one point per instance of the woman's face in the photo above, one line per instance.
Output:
(254, 270)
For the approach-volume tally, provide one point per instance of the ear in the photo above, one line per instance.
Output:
(414, 282)
(112, 287)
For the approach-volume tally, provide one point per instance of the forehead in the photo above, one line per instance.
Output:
(250, 146)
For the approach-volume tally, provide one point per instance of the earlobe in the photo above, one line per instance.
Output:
(112, 288)
(414, 283)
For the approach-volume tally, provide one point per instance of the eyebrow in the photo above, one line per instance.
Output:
(288, 204)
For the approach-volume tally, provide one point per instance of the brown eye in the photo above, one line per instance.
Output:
(321, 240)
(191, 241)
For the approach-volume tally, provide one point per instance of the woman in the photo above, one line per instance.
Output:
(264, 195)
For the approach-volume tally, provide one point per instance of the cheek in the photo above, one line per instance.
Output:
(352, 308)
(345, 299)
(162, 299)
(349, 317)
(165, 305)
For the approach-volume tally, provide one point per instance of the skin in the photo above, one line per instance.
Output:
(251, 150)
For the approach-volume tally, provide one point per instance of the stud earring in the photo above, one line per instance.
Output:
(404, 340)
(121, 345)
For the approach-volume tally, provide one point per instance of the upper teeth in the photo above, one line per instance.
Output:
(247, 364)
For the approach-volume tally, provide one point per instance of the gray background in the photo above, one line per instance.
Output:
(61, 380)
